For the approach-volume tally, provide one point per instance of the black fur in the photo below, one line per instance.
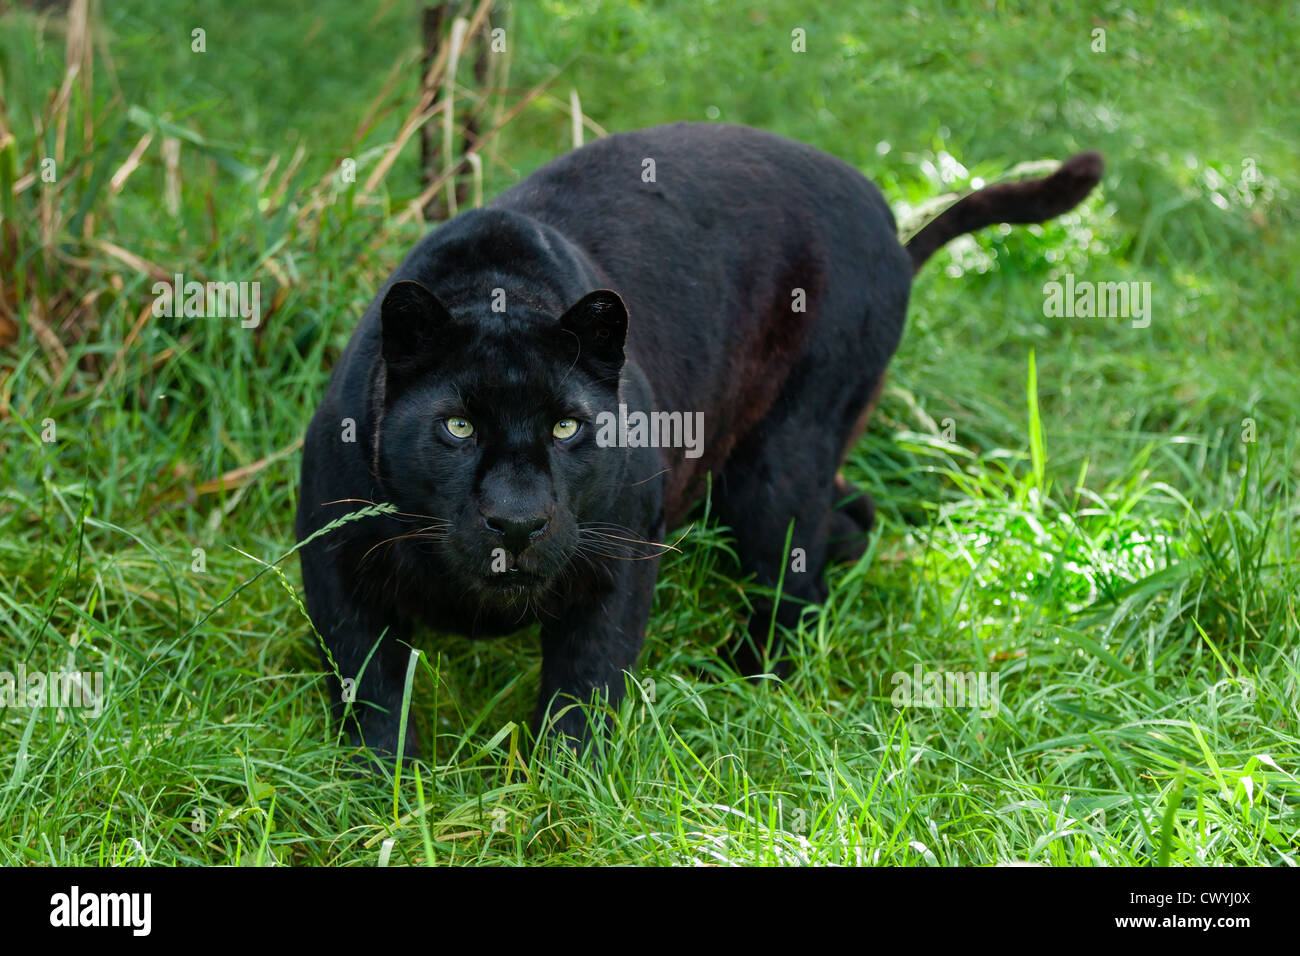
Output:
(708, 261)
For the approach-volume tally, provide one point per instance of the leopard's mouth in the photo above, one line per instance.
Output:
(514, 592)
(515, 581)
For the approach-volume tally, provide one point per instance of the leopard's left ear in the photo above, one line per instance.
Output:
(415, 325)
(598, 323)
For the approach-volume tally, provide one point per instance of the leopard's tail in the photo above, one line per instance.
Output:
(1031, 200)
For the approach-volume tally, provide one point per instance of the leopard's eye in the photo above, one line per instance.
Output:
(458, 427)
(565, 429)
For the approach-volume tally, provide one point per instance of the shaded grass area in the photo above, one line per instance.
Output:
(1114, 538)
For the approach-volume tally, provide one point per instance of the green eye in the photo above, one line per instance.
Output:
(565, 428)
(458, 427)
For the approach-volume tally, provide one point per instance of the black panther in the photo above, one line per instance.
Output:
(691, 273)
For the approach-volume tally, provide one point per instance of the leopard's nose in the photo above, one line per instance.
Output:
(518, 531)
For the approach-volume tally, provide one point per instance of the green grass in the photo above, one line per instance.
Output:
(1066, 503)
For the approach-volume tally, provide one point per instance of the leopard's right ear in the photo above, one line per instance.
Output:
(597, 326)
(415, 326)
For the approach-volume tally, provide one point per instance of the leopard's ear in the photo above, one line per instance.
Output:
(598, 324)
(415, 326)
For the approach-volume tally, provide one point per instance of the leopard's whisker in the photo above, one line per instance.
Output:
(391, 514)
(640, 541)
(402, 537)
